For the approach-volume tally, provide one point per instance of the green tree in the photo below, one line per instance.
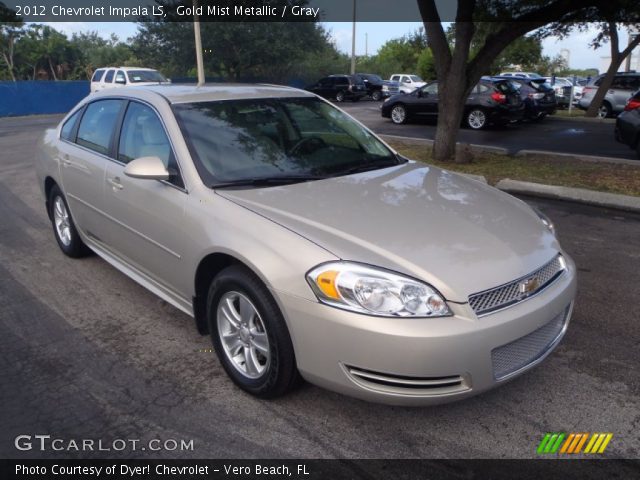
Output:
(10, 32)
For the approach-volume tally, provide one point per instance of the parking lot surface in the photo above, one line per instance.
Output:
(564, 135)
(86, 353)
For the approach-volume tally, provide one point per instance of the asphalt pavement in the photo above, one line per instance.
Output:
(86, 353)
(556, 134)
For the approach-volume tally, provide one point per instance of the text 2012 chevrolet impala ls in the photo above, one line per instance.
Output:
(305, 245)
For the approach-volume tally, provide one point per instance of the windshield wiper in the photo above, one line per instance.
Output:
(266, 181)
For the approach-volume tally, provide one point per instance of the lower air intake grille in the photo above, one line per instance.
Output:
(528, 350)
(405, 385)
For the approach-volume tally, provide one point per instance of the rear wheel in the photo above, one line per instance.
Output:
(399, 114)
(376, 95)
(249, 334)
(64, 228)
(605, 110)
(476, 119)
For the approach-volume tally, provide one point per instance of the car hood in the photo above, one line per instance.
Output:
(457, 234)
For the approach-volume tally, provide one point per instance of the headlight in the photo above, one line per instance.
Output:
(546, 221)
(374, 291)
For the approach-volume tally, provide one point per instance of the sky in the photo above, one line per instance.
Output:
(370, 36)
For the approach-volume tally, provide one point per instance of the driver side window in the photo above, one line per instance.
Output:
(431, 89)
(143, 135)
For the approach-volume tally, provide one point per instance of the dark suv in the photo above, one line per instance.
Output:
(489, 102)
(340, 88)
(628, 123)
(373, 83)
(539, 98)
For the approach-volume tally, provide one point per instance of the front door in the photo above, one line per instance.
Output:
(147, 216)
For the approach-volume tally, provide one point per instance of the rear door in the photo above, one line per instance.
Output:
(146, 227)
(85, 155)
(622, 88)
(107, 81)
(95, 80)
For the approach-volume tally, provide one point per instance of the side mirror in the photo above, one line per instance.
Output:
(147, 168)
(421, 93)
(121, 80)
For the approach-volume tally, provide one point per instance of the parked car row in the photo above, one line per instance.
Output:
(350, 87)
(494, 100)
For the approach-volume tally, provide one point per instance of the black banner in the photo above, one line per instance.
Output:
(319, 469)
(313, 10)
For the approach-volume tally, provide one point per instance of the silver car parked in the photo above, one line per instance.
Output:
(304, 245)
(623, 86)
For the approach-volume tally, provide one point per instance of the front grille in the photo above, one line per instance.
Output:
(528, 350)
(511, 293)
(406, 385)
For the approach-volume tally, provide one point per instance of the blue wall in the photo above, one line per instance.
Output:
(40, 97)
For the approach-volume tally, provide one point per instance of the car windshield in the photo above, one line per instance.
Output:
(374, 78)
(416, 78)
(139, 76)
(291, 139)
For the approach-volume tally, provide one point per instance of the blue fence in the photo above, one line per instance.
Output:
(40, 97)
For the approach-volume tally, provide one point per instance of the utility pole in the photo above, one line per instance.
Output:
(353, 41)
(366, 44)
(198, 39)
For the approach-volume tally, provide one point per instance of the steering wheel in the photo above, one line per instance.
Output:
(310, 144)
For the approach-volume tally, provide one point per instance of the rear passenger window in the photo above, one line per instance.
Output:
(98, 124)
(143, 135)
(97, 76)
(66, 133)
(109, 76)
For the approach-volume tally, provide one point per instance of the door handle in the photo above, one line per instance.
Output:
(65, 161)
(115, 183)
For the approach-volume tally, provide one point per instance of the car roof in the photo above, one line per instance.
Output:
(220, 91)
(128, 68)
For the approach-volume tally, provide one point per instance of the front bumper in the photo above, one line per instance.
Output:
(420, 361)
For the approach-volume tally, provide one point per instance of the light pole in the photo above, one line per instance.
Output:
(198, 39)
(353, 41)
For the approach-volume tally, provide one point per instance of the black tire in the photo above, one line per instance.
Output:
(281, 373)
(605, 110)
(376, 95)
(340, 96)
(541, 116)
(476, 119)
(72, 246)
(399, 114)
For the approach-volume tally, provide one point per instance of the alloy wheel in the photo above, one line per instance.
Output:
(476, 119)
(398, 114)
(61, 221)
(243, 335)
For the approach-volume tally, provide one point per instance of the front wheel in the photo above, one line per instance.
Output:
(340, 97)
(64, 228)
(399, 114)
(476, 119)
(376, 95)
(249, 334)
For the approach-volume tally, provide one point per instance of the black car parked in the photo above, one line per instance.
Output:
(373, 83)
(339, 88)
(490, 102)
(539, 99)
(628, 124)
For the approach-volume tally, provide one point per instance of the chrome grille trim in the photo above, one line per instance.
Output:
(525, 352)
(406, 385)
(503, 296)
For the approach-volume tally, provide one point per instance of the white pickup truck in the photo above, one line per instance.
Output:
(407, 83)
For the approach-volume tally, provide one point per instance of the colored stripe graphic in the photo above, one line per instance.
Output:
(573, 443)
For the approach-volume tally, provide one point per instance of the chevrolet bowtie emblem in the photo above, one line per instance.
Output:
(528, 286)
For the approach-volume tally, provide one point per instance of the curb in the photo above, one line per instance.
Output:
(581, 118)
(549, 155)
(581, 195)
(474, 147)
